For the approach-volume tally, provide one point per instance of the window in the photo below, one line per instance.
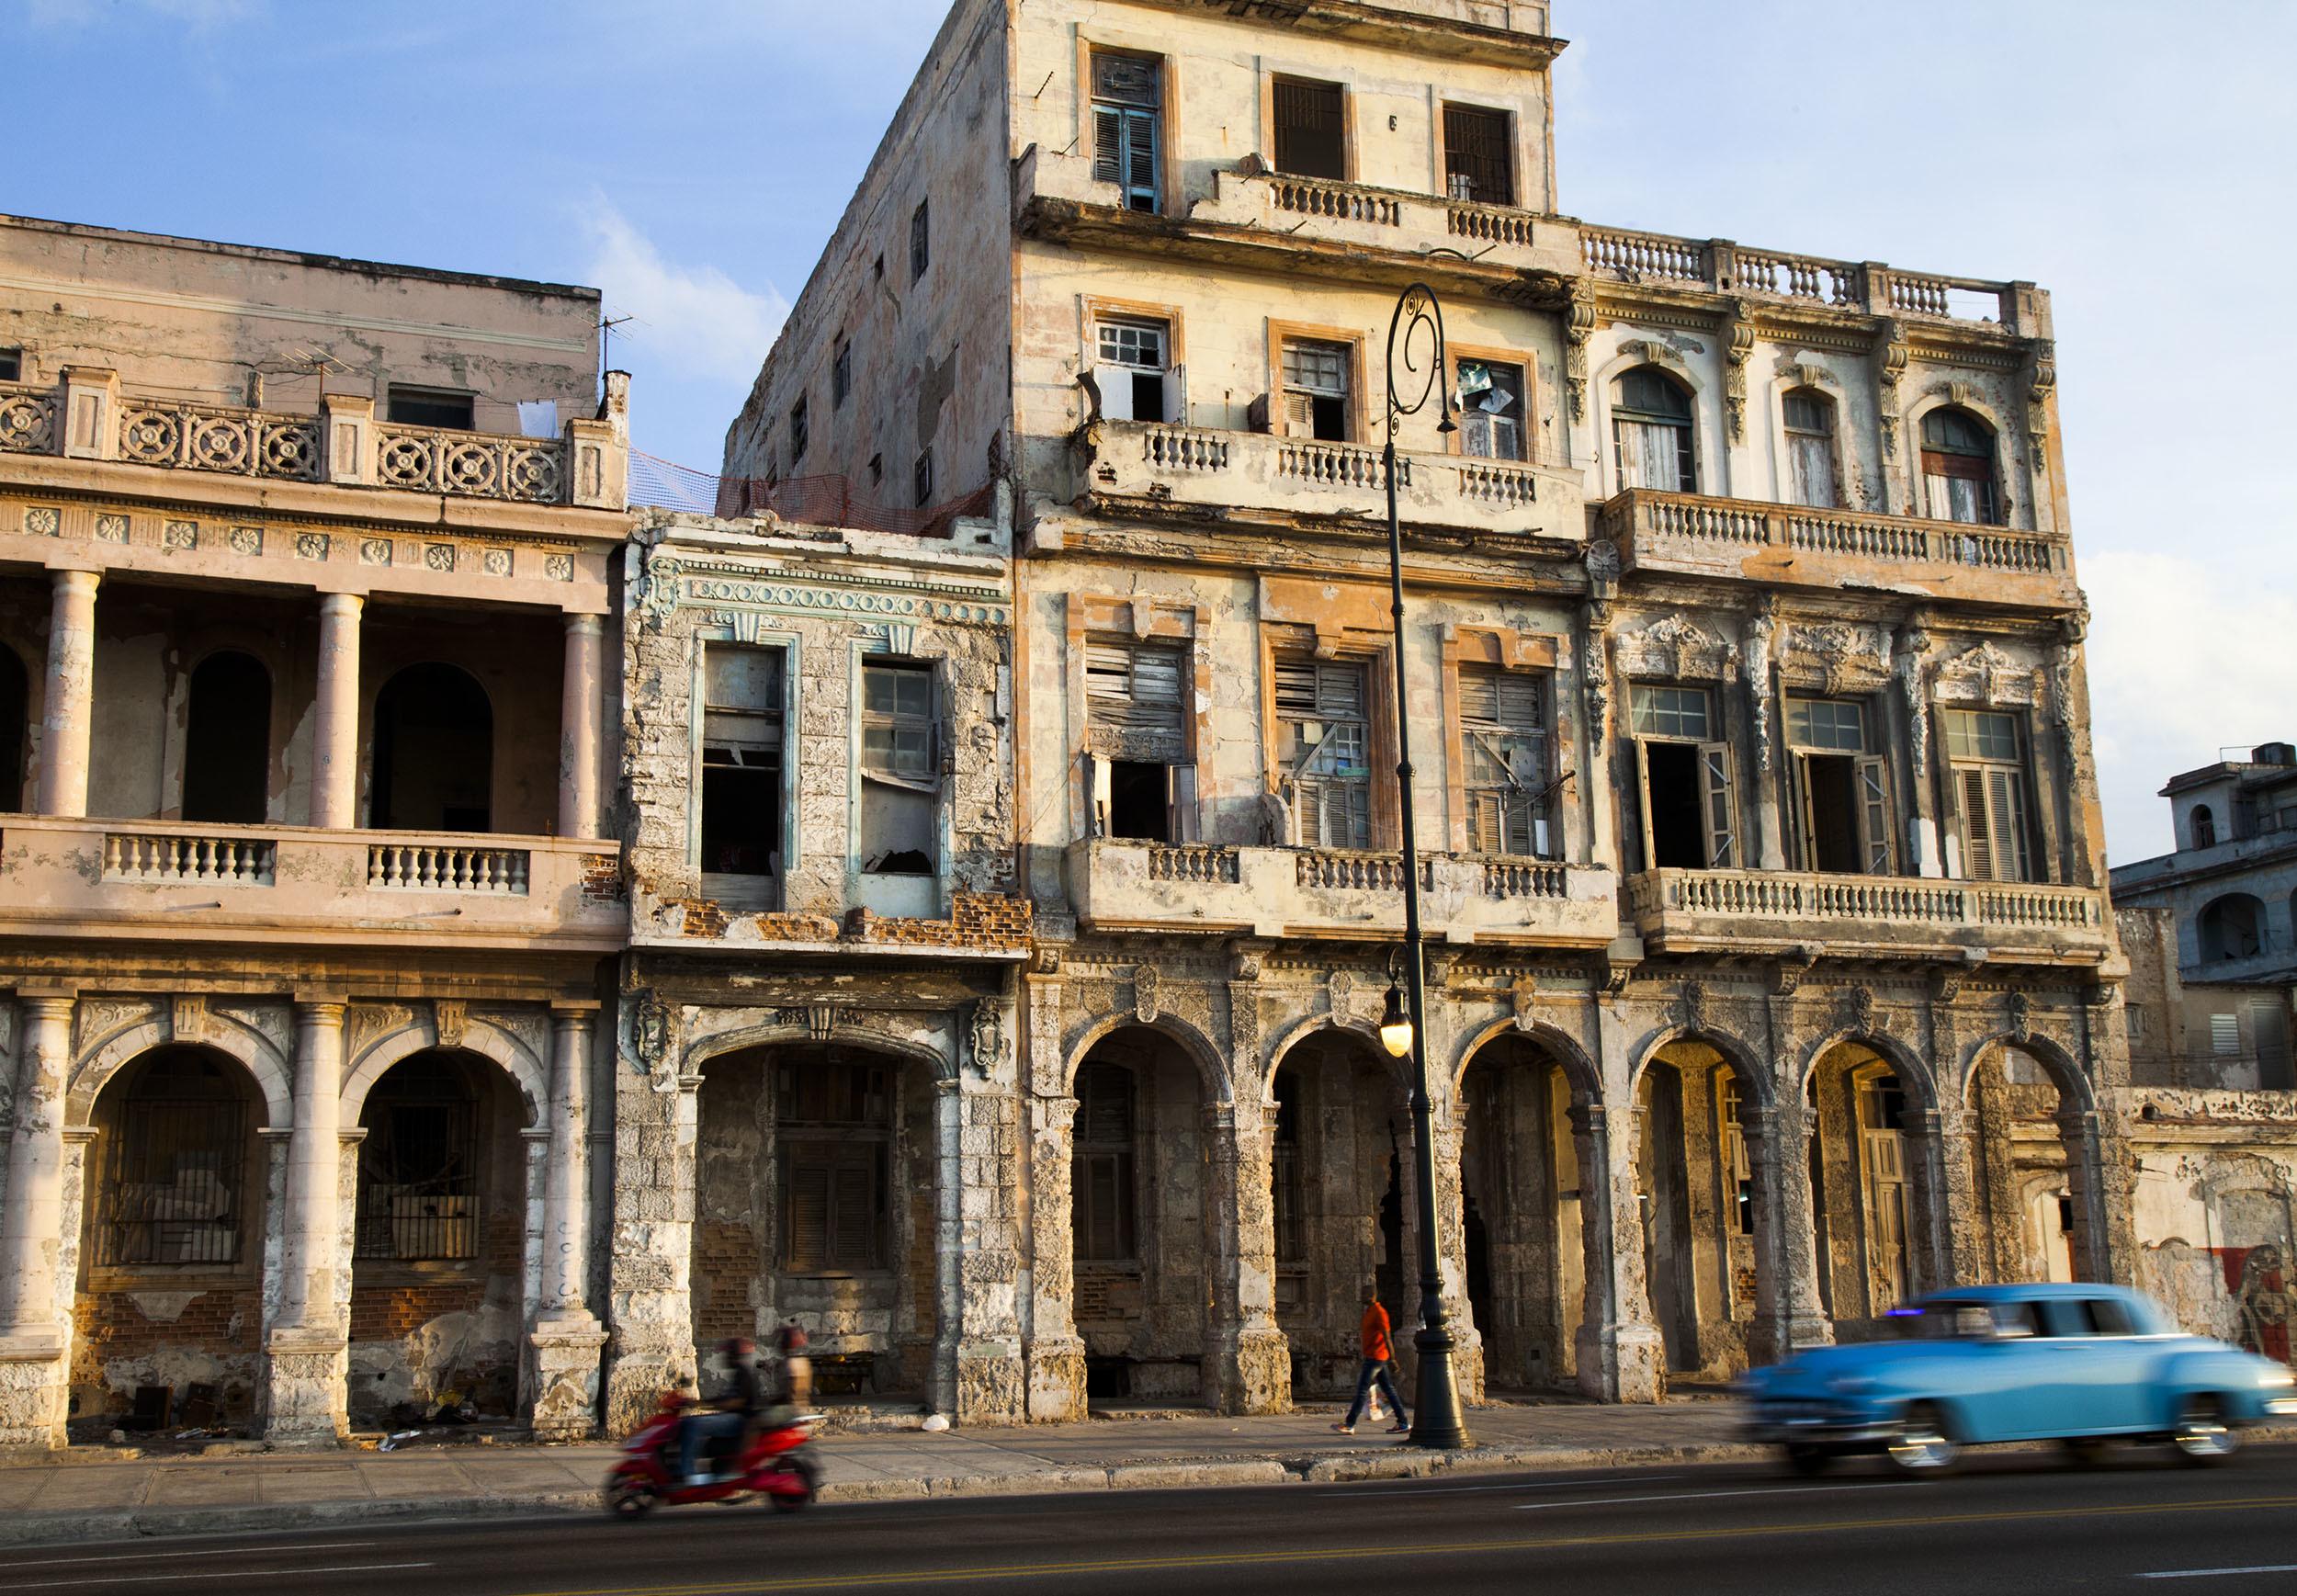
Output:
(1986, 767)
(418, 1165)
(2232, 927)
(1491, 410)
(2204, 827)
(1958, 468)
(801, 432)
(1290, 1204)
(1741, 1195)
(1881, 1108)
(227, 741)
(1126, 112)
(1683, 780)
(1841, 789)
(11, 364)
(1316, 387)
(920, 239)
(1132, 359)
(841, 374)
(1478, 163)
(922, 482)
(741, 760)
(1100, 1169)
(1141, 783)
(2093, 1316)
(430, 407)
(877, 269)
(1311, 129)
(833, 1126)
(2226, 1036)
(1504, 738)
(901, 779)
(1651, 432)
(1324, 741)
(2134, 1021)
(175, 1166)
(1810, 449)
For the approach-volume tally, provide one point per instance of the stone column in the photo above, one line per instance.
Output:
(650, 1262)
(1944, 1187)
(978, 1376)
(578, 728)
(1617, 1349)
(68, 703)
(2098, 1178)
(1467, 1350)
(1248, 1363)
(336, 714)
(305, 1394)
(1787, 1257)
(1056, 1352)
(33, 1334)
(564, 1364)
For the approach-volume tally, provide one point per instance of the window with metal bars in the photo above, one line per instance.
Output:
(1127, 132)
(1324, 742)
(1311, 129)
(1478, 155)
(801, 432)
(1503, 740)
(1101, 1166)
(174, 1170)
(833, 1126)
(418, 1166)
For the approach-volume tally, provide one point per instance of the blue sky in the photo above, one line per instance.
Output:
(690, 157)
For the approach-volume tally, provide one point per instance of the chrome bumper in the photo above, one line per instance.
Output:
(2280, 1407)
(1813, 1429)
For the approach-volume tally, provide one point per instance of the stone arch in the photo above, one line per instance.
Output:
(2065, 1073)
(273, 1075)
(1905, 1061)
(1353, 1025)
(1586, 1079)
(2231, 926)
(479, 1035)
(1213, 1069)
(1736, 1052)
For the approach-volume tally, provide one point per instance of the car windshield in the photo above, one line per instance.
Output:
(1951, 1320)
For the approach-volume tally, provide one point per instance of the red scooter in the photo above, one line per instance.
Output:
(772, 1463)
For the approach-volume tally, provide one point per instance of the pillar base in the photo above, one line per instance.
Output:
(1056, 1381)
(563, 1372)
(34, 1393)
(1252, 1372)
(989, 1384)
(304, 1376)
(1621, 1362)
(635, 1380)
(1774, 1338)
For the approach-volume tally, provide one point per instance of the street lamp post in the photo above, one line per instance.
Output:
(1436, 1417)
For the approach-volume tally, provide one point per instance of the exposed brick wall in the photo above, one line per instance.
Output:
(220, 1328)
(975, 920)
(390, 1301)
(601, 878)
(725, 1260)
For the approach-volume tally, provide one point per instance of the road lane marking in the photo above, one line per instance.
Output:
(1526, 1507)
(1404, 1488)
(296, 1548)
(1181, 1561)
(2212, 1573)
(225, 1574)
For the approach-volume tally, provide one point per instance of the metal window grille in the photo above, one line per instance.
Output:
(418, 1178)
(1476, 161)
(174, 1183)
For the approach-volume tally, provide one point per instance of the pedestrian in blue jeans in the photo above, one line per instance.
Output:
(1373, 1341)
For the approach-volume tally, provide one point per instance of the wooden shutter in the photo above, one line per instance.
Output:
(2006, 808)
(1714, 798)
(1097, 794)
(805, 1211)
(1180, 799)
(1108, 144)
(1977, 836)
(1874, 838)
(1299, 415)
(854, 1209)
(1641, 768)
(1134, 686)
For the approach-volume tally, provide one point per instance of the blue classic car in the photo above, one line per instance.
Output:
(2074, 1363)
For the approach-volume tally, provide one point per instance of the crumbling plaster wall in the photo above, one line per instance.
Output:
(2216, 1211)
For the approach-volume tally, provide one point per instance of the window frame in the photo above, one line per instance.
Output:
(1687, 450)
(1282, 332)
(933, 786)
(829, 1144)
(1526, 364)
(430, 393)
(1094, 104)
(1998, 775)
(1096, 311)
(1271, 79)
(1510, 154)
(801, 430)
(781, 719)
(921, 240)
(1829, 439)
(1875, 795)
(1722, 829)
(840, 371)
(127, 1129)
(1120, 1155)
(11, 363)
(1289, 769)
(1985, 469)
(1540, 828)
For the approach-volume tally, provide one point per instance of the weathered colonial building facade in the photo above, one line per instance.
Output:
(1771, 973)
(307, 906)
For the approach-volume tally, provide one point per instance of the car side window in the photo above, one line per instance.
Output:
(2015, 1319)
(2090, 1316)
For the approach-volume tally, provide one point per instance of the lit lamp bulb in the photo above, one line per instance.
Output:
(1395, 1024)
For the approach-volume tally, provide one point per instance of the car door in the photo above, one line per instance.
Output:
(2096, 1365)
(2011, 1397)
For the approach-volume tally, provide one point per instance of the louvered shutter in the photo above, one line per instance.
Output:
(1299, 415)
(854, 1206)
(806, 1235)
(1977, 834)
(1873, 779)
(1134, 686)
(1714, 794)
(2006, 805)
(1108, 144)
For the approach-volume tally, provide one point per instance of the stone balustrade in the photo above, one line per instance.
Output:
(1876, 914)
(1386, 219)
(1165, 463)
(1695, 533)
(192, 882)
(1116, 883)
(85, 416)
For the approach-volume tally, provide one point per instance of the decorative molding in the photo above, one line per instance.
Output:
(1838, 657)
(1858, 1010)
(1788, 970)
(1739, 333)
(916, 601)
(1755, 666)
(653, 1031)
(1690, 1006)
(188, 1017)
(988, 1034)
(1890, 353)
(1577, 329)
(2021, 1009)
(1675, 645)
(1147, 988)
(2040, 382)
(1984, 674)
(1909, 667)
(450, 1018)
(821, 1020)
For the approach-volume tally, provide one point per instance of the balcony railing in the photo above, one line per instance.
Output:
(1156, 460)
(1747, 907)
(1793, 542)
(86, 416)
(186, 881)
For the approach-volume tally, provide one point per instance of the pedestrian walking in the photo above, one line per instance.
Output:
(796, 1366)
(1376, 1347)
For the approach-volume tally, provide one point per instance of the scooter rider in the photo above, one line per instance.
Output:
(730, 1414)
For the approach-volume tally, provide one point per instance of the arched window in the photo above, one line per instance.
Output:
(1651, 432)
(227, 743)
(2232, 927)
(1102, 1166)
(15, 707)
(419, 1164)
(2204, 827)
(1810, 449)
(175, 1182)
(433, 752)
(1958, 474)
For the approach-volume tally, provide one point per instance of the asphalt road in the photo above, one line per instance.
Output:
(2017, 1522)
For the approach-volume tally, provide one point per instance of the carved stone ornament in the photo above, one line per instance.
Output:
(1595, 680)
(1044, 958)
(650, 1026)
(821, 1020)
(2039, 387)
(1858, 1010)
(657, 587)
(1890, 365)
(1838, 657)
(1755, 666)
(1914, 647)
(2021, 1012)
(988, 1037)
(1983, 673)
(1675, 645)
(1786, 975)
(1343, 984)
(1739, 333)
(1524, 990)
(188, 1017)
(1244, 965)
(449, 1018)
(1690, 1006)
(1147, 986)
(1601, 559)
(1578, 330)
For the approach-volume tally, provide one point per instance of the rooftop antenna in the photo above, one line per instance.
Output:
(607, 324)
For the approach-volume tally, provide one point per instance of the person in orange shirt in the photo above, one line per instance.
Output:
(1378, 1349)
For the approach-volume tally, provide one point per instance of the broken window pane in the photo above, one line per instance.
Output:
(1958, 468)
(799, 432)
(430, 407)
(900, 769)
(741, 760)
(1316, 376)
(1491, 409)
(1325, 748)
(1503, 738)
(1810, 445)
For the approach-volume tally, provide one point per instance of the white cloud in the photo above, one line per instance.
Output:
(2185, 658)
(692, 321)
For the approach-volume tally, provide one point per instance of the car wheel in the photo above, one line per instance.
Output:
(1809, 1461)
(2086, 1451)
(1922, 1446)
(2202, 1435)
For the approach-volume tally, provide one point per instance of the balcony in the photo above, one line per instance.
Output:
(86, 417)
(1695, 535)
(1387, 219)
(1879, 916)
(300, 886)
(1117, 885)
(1164, 464)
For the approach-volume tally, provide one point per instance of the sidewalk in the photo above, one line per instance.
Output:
(93, 1494)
